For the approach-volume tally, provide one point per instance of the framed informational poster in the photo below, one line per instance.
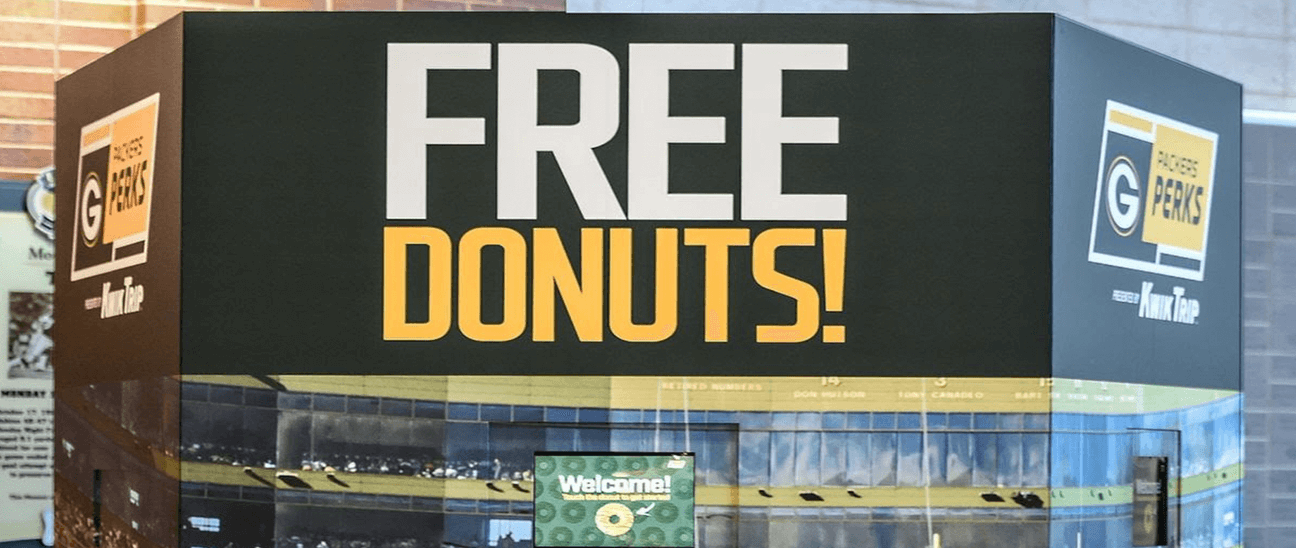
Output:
(26, 379)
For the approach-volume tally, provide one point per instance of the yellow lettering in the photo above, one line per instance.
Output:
(717, 242)
(805, 295)
(553, 271)
(395, 241)
(621, 287)
(470, 278)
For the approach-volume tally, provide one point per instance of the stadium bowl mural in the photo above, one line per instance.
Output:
(437, 461)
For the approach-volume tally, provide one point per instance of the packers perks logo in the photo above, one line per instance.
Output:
(114, 190)
(1152, 202)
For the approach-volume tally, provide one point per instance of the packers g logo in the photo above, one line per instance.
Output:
(1122, 196)
(91, 211)
(115, 190)
(1152, 201)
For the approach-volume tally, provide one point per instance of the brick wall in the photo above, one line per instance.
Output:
(1269, 330)
(41, 40)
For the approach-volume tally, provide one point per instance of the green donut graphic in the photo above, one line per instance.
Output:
(684, 536)
(654, 536)
(666, 512)
(561, 536)
(628, 539)
(545, 512)
(683, 486)
(545, 466)
(538, 488)
(539, 536)
(605, 466)
(573, 512)
(592, 537)
(636, 465)
(573, 465)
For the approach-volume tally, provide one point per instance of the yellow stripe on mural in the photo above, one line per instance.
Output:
(1124, 494)
(1117, 398)
(709, 495)
(884, 394)
(904, 394)
(421, 387)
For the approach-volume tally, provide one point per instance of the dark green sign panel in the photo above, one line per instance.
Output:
(614, 499)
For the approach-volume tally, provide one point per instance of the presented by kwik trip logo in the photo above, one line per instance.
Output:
(1153, 199)
(114, 190)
